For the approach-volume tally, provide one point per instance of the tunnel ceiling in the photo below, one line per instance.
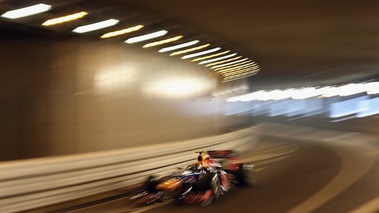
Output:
(296, 43)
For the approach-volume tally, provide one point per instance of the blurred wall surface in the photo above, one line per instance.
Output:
(78, 96)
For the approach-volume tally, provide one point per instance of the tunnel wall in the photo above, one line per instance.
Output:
(79, 96)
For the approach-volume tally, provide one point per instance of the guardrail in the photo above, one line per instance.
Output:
(35, 183)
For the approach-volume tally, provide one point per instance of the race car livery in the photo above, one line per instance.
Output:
(199, 183)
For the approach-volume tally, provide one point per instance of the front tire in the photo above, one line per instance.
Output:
(210, 181)
(215, 186)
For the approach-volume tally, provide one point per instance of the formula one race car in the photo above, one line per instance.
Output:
(202, 182)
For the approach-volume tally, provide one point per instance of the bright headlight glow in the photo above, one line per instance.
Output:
(96, 26)
(26, 11)
(121, 32)
(146, 37)
(64, 19)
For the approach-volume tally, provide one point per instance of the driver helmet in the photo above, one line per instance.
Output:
(202, 159)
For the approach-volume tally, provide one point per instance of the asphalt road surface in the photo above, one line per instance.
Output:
(293, 176)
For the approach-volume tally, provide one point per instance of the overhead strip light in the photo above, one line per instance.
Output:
(121, 32)
(165, 41)
(210, 56)
(237, 67)
(201, 53)
(217, 59)
(233, 65)
(26, 11)
(224, 61)
(189, 50)
(96, 26)
(239, 72)
(146, 37)
(64, 19)
(230, 63)
(179, 46)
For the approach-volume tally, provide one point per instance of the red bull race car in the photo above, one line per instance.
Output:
(215, 173)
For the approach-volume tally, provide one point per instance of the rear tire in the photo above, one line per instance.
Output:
(151, 183)
(246, 175)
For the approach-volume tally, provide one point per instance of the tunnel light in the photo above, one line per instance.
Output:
(252, 72)
(351, 89)
(121, 32)
(26, 11)
(248, 97)
(230, 63)
(224, 61)
(232, 66)
(210, 56)
(236, 66)
(165, 41)
(96, 26)
(244, 66)
(179, 46)
(146, 37)
(242, 72)
(304, 93)
(262, 95)
(238, 77)
(201, 53)
(373, 88)
(328, 91)
(239, 71)
(64, 19)
(189, 50)
(217, 59)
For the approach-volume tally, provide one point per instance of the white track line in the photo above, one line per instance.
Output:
(372, 206)
(356, 158)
